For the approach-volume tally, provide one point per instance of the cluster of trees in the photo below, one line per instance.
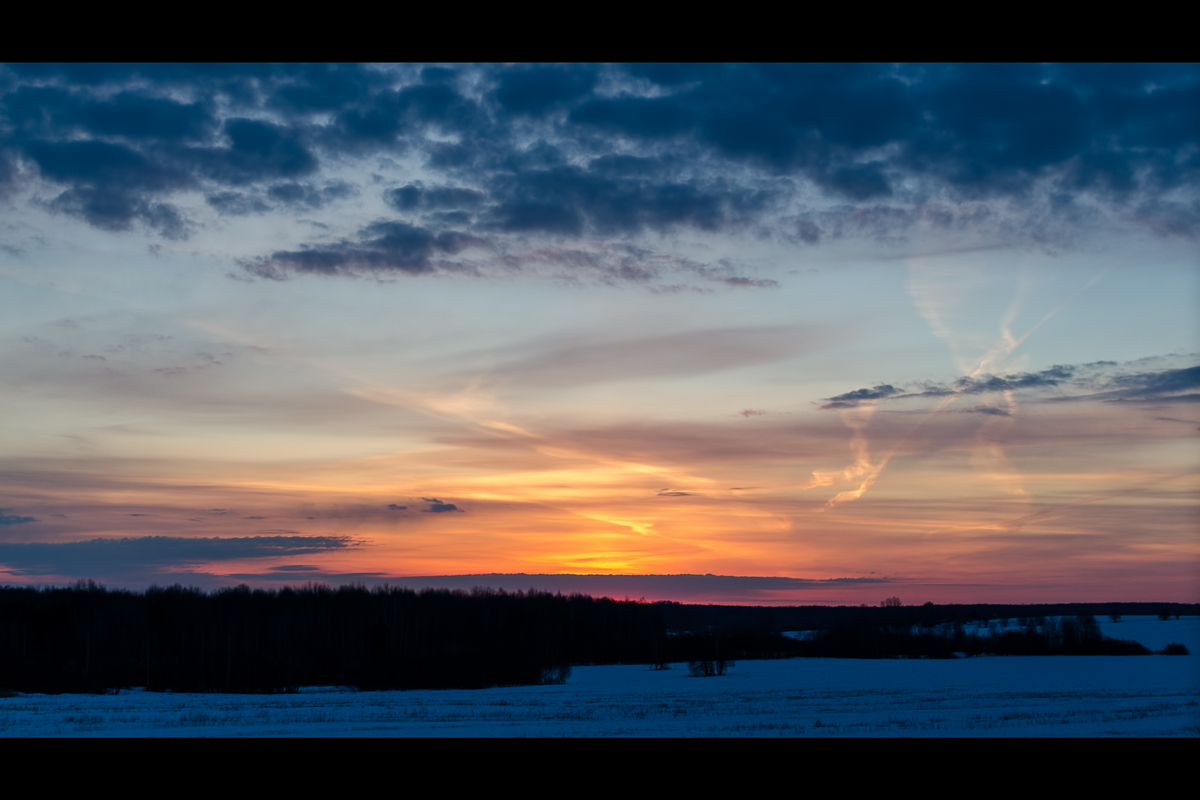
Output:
(87, 638)
(765, 619)
(709, 667)
(869, 638)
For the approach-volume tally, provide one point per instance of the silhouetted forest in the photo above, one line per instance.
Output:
(1065, 636)
(86, 638)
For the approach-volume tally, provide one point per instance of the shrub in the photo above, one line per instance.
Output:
(1174, 649)
(707, 668)
(555, 676)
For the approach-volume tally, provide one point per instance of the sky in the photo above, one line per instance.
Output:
(765, 334)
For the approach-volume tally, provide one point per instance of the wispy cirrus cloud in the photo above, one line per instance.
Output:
(660, 356)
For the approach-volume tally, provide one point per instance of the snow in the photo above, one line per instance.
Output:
(1016, 696)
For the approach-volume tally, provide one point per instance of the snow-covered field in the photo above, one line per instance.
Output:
(1029, 696)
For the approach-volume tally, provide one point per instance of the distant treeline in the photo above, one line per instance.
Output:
(813, 618)
(1054, 636)
(87, 638)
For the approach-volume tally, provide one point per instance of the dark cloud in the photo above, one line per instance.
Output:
(617, 150)
(292, 576)
(808, 231)
(990, 410)
(1054, 376)
(291, 195)
(390, 247)
(120, 155)
(856, 182)
(111, 206)
(668, 493)
(756, 283)
(878, 393)
(438, 507)
(414, 196)
(105, 166)
(392, 118)
(106, 556)
(1159, 383)
(644, 117)
(14, 519)
(236, 204)
(534, 90)
(308, 196)
(686, 588)
(47, 111)
(572, 200)
(1194, 397)
(1158, 386)
(1099, 380)
(314, 88)
(257, 151)
(396, 507)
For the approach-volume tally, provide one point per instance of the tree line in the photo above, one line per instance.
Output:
(85, 637)
(1054, 636)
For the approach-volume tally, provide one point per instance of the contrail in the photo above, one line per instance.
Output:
(856, 419)
(1008, 344)
(989, 362)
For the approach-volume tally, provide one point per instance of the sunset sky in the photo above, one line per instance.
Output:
(825, 334)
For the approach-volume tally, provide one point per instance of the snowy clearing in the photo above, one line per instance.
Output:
(1018, 696)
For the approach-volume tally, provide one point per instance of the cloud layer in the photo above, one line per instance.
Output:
(1101, 380)
(576, 154)
(122, 556)
(685, 588)
(586, 318)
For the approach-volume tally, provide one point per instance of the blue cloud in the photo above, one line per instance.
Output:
(438, 507)
(108, 556)
(1099, 380)
(382, 247)
(13, 519)
(121, 142)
